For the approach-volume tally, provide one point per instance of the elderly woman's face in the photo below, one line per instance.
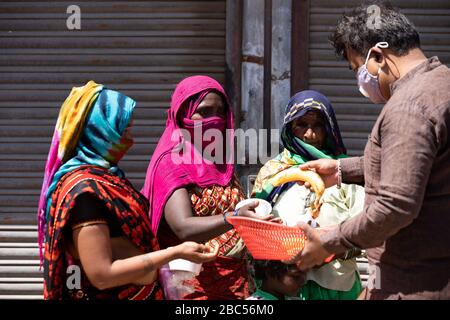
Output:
(212, 105)
(310, 128)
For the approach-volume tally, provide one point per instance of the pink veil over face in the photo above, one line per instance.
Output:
(163, 175)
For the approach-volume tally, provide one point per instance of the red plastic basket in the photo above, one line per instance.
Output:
(269, 240)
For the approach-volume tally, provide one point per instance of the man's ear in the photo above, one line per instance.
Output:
(379, 57)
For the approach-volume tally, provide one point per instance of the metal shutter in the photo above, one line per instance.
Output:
(142, 48)
(355, 114)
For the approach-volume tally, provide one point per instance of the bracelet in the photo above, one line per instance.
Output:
(235, 213)
(339, 177)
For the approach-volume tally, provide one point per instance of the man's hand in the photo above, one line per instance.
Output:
(313, 254)
(326, 168)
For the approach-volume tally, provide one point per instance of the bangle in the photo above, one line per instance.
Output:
(235, 213)
(225, 218)
(339, 175)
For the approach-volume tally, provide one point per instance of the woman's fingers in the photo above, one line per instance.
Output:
(199, 253)
(266, 218)
(251, 206)
(211, 249)
(249, 209)
(209, 253)
(214, 250)
(277, 220)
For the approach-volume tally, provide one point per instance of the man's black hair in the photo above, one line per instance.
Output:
(359, 31)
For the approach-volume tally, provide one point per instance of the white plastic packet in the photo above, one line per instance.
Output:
(175, 276)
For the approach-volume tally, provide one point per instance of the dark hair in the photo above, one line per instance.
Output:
(357, 31)
(272, 268)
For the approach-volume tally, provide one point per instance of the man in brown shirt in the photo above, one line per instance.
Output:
(405, 224)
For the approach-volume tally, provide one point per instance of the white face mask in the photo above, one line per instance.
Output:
(369, 85)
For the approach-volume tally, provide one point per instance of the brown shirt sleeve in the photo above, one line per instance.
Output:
(352, 170)
(403, 149)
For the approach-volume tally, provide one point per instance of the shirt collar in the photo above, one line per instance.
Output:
(425, 66)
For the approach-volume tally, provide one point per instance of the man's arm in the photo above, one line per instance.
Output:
(352, 170)
(409, 146)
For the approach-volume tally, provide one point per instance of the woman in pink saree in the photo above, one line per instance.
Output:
(190, 195)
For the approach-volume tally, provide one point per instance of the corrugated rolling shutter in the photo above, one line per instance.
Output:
(142, 48)
(356, 115)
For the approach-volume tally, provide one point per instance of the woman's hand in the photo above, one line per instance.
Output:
(326, 168)
(277, 220)
(249, 211)
(197, 253)
(192, 251)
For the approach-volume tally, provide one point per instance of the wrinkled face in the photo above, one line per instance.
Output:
(291, 282)
(310, 128)
(212, 105)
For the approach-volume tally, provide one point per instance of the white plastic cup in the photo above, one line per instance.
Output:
(263, 209)
(185, 265)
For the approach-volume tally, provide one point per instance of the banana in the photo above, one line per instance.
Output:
(296, 174)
